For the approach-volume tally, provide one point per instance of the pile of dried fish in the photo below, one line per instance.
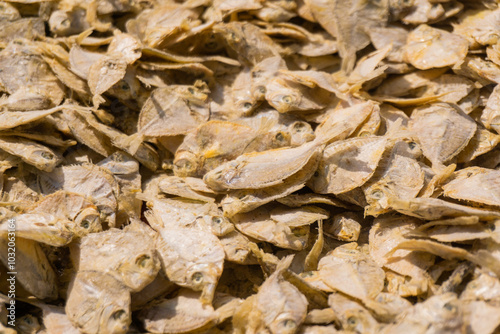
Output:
(250, 166)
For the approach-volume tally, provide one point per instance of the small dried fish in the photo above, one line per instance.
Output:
(442, 130)
(284, 227)
(98, 303)
(250, 166)
(429, 47)
(284, 314)
(262, 169)
(195, 263)
(135, 268)
(474, 184)
(93, 181)
(31, 152)
(347, 164)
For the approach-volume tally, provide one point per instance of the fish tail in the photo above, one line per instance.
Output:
(132, 143)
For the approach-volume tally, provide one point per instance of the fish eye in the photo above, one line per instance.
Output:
(119, 315)
(211, 45)
(142, 261)
(262, 89)
(377, 194)
(66, 23)
(197, 277)
(47, 155)
(287, 99)
(217, 220)
(412, 145)
(85, 224)
(191, 90)
(289, 324)
(125, 86)
(352, 321)
(299, 126)
(279, 136)
(184, 164)
(247, 105)
(450, 307)
(28, 320)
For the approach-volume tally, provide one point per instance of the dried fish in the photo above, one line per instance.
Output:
(31, 152)
(442, 130)
(195, 263)
(93, 181)
(428, 47)
(347, 164)
(284, 227)
(250, 166)
(262, 169)
(135, 268)
(98, 303)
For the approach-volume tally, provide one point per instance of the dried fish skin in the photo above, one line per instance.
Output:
(428, 47)
(484, 141)
(434, 208)
(98, 303)
(338, 173)
(442, 131)
(438, 314)
(490, 117)
(342, 122)
(247, 41)
(478, 26)
(72, 214)
(66, 23)
(344, 226)
(357, 276)
(184, 213)
(349, 21)
(34, 271)
(237, 248)
(26, 72)
(180, 186)
(184, 313)
(385, 234)
(42, 228)
(169, 112)
(475, 184)
(211, 144)
(104, 73)
(11, 119)
(135, 267)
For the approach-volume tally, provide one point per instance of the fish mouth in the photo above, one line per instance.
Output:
(207, 294)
